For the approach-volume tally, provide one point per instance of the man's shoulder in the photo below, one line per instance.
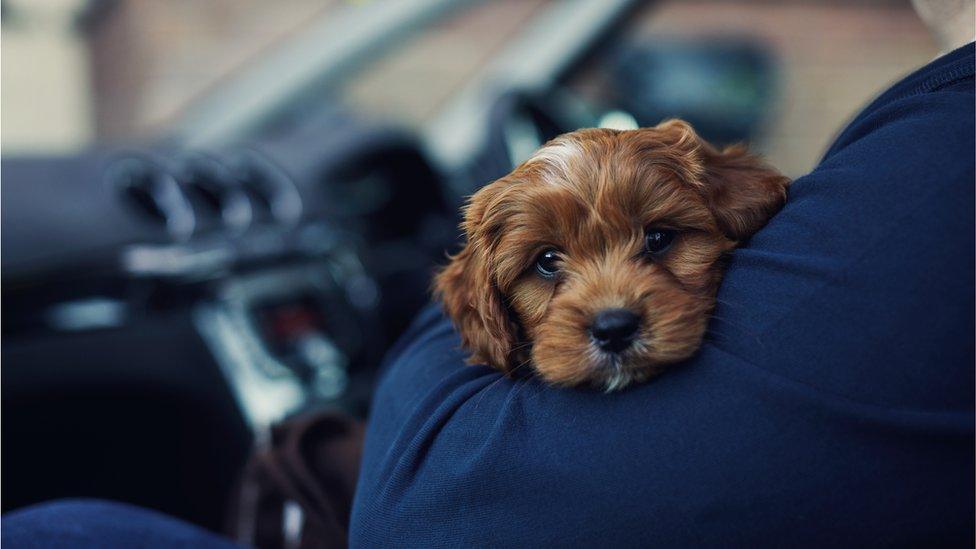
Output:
(950, 72)
(934, 131)
(936, 99)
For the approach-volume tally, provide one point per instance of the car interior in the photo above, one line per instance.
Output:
(167, 299)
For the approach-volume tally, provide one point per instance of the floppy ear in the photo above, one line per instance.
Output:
(741, 190)
(470, 296)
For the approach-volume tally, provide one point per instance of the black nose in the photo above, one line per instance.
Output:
(614, 329)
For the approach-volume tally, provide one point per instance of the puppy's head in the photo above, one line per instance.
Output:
(597, 260)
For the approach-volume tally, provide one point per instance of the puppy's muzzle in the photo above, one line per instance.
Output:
(613, 330)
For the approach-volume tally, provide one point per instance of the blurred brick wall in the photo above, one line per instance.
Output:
(414, 82)
(150, 57)
(834, 58)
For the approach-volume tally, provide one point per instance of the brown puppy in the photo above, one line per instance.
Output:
(598, 259)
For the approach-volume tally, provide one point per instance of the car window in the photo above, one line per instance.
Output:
(77, 72)
(824, 60)
(414, 81)
(785, 76)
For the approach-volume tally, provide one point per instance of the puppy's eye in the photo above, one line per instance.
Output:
(657, 240)
(547, 264)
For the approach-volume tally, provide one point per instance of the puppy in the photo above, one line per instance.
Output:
(597, 260)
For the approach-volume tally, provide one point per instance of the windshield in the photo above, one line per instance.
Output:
(82, 73)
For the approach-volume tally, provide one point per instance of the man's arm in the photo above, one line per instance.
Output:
(831, 403)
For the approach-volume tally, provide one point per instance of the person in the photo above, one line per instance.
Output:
(831, 405)
(832, 402)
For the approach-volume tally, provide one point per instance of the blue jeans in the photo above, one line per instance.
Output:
(95, 523)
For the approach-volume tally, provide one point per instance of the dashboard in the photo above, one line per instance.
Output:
(224, 288)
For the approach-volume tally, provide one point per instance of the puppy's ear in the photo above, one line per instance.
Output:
(741, 190)
(468, 291)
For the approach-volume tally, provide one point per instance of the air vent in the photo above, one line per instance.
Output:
(211, 185)
(151, 191)
(269, 186)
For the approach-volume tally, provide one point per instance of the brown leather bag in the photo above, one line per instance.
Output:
(297, 487)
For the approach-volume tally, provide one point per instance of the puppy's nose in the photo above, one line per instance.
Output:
(613, 329)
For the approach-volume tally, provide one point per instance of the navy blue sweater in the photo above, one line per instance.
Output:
(831, 404)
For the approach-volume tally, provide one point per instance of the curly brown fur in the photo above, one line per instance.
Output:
(591, 195)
